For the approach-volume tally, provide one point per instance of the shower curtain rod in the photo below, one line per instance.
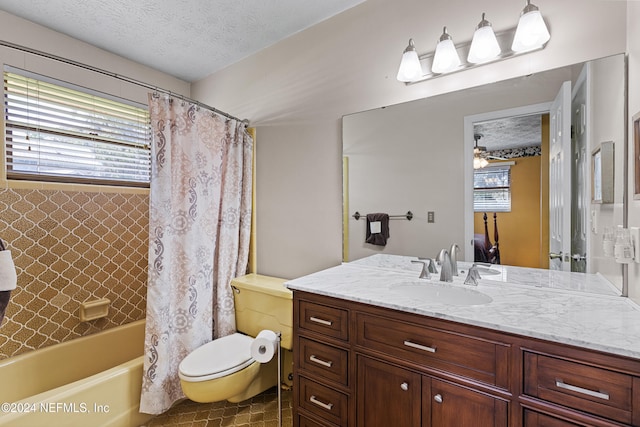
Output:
(117, 76)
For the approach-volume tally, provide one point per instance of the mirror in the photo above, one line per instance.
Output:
(417, 156)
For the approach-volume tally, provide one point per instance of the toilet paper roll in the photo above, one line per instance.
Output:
(8, 277)
(264, 346)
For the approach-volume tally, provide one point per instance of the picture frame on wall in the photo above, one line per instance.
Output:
(636, 156)
(602, 173)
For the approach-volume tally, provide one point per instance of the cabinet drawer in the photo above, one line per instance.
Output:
(323, 401)
(583, 387)
(448, 351)
(323, 319)
(306, 422)
(324, 361)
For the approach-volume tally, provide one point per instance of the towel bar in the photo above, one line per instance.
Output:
(408, 216)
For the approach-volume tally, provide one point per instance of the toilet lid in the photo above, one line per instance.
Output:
(218, 358)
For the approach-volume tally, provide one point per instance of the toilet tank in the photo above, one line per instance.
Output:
(263, 302)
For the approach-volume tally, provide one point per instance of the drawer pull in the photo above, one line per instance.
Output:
(438, 398)
(420, 347)
(601, 395)
(323, 405)
(404, 386)
(324, 363)
(320, 321)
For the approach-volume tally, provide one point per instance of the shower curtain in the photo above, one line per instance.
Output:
(199, 229)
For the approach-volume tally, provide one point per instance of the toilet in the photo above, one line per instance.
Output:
(224, 369)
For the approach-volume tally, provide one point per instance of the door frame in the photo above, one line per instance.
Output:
(526, 110)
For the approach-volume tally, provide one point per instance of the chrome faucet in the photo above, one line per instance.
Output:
(472, 276)
(453, 253)
(424, 274)
(445, 271)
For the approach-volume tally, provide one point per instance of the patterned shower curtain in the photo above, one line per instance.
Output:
(199, 229)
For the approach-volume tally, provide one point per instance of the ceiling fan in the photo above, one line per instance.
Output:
(480, 155)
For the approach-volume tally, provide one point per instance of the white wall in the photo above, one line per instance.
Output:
(348, 64)
(633, 48)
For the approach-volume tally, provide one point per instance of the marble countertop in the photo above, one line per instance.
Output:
(578, 309)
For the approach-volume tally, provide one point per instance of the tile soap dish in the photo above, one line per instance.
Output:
(96, 309)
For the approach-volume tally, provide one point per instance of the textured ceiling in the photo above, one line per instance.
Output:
(512, 132)
(188, 39)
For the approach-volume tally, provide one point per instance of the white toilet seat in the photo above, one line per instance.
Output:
(218, 358)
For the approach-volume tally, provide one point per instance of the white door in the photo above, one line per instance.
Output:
(560, 180)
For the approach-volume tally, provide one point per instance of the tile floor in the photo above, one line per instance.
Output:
(259, 411)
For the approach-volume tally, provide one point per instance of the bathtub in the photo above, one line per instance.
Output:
(89, 381)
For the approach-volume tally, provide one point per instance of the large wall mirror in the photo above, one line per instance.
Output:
(419, 156)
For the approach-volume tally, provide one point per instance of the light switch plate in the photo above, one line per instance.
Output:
(635, 239)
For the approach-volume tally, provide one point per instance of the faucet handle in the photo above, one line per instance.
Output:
(473, 275)
(424, 274)
(431, 264)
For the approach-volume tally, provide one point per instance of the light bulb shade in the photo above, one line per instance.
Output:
(484, 45)
(479, 162)
(532, 32)
(410, 68)
(446, 57)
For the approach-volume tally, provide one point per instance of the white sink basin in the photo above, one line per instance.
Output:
(486, 271)
(441, 293)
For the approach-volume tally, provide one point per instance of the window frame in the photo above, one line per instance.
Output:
(115, 141)
(493, 189)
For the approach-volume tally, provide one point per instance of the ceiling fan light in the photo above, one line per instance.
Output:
(410, 68)
(484, 45)
(446, 57)
(532, 32)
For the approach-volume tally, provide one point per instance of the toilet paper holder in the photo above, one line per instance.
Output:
(261, 351)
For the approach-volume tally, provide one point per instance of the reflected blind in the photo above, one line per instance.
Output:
(492, 189)
(58, 133)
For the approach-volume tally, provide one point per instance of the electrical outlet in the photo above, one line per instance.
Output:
(635, 239)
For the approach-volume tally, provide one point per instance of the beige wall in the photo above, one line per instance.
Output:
(348, 64)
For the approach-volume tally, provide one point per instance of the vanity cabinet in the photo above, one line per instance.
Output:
(361, 365)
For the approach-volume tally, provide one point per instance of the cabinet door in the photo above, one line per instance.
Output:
(448, 404)
(534, 419)
(387, 395)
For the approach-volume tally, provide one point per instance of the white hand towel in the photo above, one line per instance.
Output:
(8, 276)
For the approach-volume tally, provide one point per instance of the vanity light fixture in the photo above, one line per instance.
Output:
(486, 46)
(446, 57)
(410, 68)
(532, 32)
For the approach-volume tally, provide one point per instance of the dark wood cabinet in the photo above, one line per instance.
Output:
(449, 404)
(390, 395)
(366, 366)
(387, 395)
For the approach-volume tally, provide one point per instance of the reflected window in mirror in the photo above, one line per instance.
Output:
(492, 189)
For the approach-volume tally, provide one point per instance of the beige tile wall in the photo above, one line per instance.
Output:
(70, 247)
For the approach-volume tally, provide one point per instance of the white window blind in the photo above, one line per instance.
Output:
(492, 189)
(60, 133)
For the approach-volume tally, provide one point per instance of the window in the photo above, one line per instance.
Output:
(492, 189)
(55, 132)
